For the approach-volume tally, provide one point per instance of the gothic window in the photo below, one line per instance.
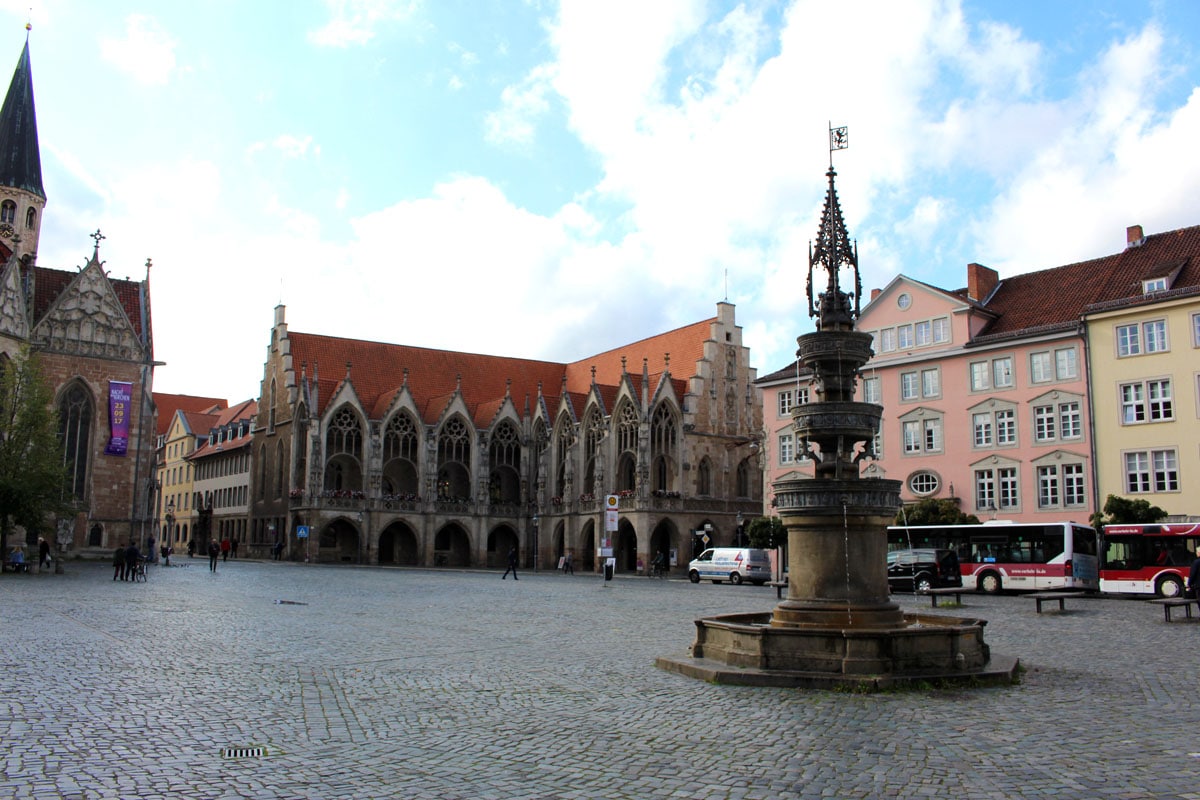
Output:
(271, 409)
(704, 478)
(301, 448)
(454, 459)
(262, 472)
(75, 433)
(541, 439)
(8, 211)
(343, 452)
(504, 464)
(593, 432)
(401, 451)
(280, 470)
(746, 484)
(663, 442)
(30, 218)
(562, 464)
(627, 429)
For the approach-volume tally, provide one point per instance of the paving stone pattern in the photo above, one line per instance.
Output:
(397, 683)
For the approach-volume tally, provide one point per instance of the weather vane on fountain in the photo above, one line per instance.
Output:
(834, 251)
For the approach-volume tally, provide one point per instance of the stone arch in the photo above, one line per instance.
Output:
(664, 539)
(454, 460)
(402, 457)
(398, 544)
(339, 542)
(452, 546)
(96, 535)
(343, 451)
(625, 548)
(502, 539)
(504, 465)
(587, 547)
(664, 446)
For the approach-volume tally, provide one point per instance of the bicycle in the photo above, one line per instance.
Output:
(139, 571)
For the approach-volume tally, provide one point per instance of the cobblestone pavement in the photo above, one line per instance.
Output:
(372, 683)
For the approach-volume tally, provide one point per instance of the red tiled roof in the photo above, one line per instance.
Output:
(377, 372)
(168, 404)
(1057, 297)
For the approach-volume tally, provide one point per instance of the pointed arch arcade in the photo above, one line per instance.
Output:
(343, 452)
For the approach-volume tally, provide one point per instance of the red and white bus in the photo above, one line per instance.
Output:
(1148, 559)
(1020, 556)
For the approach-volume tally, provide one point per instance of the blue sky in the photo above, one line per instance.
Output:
(550, 180)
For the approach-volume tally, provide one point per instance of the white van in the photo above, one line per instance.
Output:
(735, 564)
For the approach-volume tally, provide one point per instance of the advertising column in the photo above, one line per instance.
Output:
(611, 506)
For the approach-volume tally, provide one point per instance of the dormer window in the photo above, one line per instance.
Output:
(1154, 285)
(212, 438)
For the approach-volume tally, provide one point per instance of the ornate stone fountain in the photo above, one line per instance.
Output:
(838, 624)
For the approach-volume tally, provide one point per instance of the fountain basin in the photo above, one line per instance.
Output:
(747, 649)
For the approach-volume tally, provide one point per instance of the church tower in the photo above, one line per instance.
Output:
(22, 197)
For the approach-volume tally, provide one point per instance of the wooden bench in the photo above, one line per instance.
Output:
(779, 587)
(1169, 603)
(934, 594)
(1060, 597)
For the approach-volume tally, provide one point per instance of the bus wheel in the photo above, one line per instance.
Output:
(694, 576)
(990, 582)
(1170, 586)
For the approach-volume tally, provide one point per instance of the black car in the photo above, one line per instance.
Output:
(919, 570)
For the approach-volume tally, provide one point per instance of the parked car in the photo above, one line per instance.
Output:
(920, 569)
(734, 564)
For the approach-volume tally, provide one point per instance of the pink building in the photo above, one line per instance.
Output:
(984, 396)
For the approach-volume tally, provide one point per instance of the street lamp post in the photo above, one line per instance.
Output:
(739, 529)
(535, 542)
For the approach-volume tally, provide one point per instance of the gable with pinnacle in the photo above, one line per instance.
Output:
(87, 319)
(14, 320)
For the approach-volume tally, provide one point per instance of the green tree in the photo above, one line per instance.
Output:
(932, 511)
(766, 532)
(32, 474)
(1123, 511)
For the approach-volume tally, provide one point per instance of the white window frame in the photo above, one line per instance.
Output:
(904, 337)
(1147, 401)
(1041, 367)
(872, 389)
(887, 340)
(941, 330)
(1066, 364)
(922, 432)
(923, 333)
(931, 382)
(910, 385)
(785, 402)
(1002, 372)
(786, 454)
(1151, 471)
(981, 376)
(1154, 336)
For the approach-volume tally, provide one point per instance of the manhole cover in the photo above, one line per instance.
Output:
(243, 752)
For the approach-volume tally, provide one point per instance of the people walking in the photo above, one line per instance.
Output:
(225, 548)
(191, 547)
(512, 564)
(277, 549)
(131, 560)
(214, 552)
(43, 553)
(119, 563)
(568, 565)
(233, 547)
(1194, 576)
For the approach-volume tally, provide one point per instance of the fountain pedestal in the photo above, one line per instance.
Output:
(838, 624)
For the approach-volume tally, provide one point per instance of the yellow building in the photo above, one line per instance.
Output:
(1144, 374)
(178, 512)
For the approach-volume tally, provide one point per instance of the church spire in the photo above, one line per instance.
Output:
(20, 164)
(20, 158)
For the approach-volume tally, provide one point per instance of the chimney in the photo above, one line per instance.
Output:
(875, 293)
(1134, 236)
(981, 281)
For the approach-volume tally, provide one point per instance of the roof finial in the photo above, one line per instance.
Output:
(405, 377)
(348, 365)
(96, 237)
(667, 361)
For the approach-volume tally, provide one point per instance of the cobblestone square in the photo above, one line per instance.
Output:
(278, 680)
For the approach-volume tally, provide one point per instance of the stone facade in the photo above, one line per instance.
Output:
(415, 456)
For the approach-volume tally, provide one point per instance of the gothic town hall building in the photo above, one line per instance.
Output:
(392, 454)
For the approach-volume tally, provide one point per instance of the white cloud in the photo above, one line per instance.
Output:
(147, 53)
(354, 22)
(521, 107)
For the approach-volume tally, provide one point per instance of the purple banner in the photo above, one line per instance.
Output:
(119, 395)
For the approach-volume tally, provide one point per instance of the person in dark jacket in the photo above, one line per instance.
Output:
(119, 563)
(1194, 576)
(512, 564)
(214, 552)
(132, 554)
